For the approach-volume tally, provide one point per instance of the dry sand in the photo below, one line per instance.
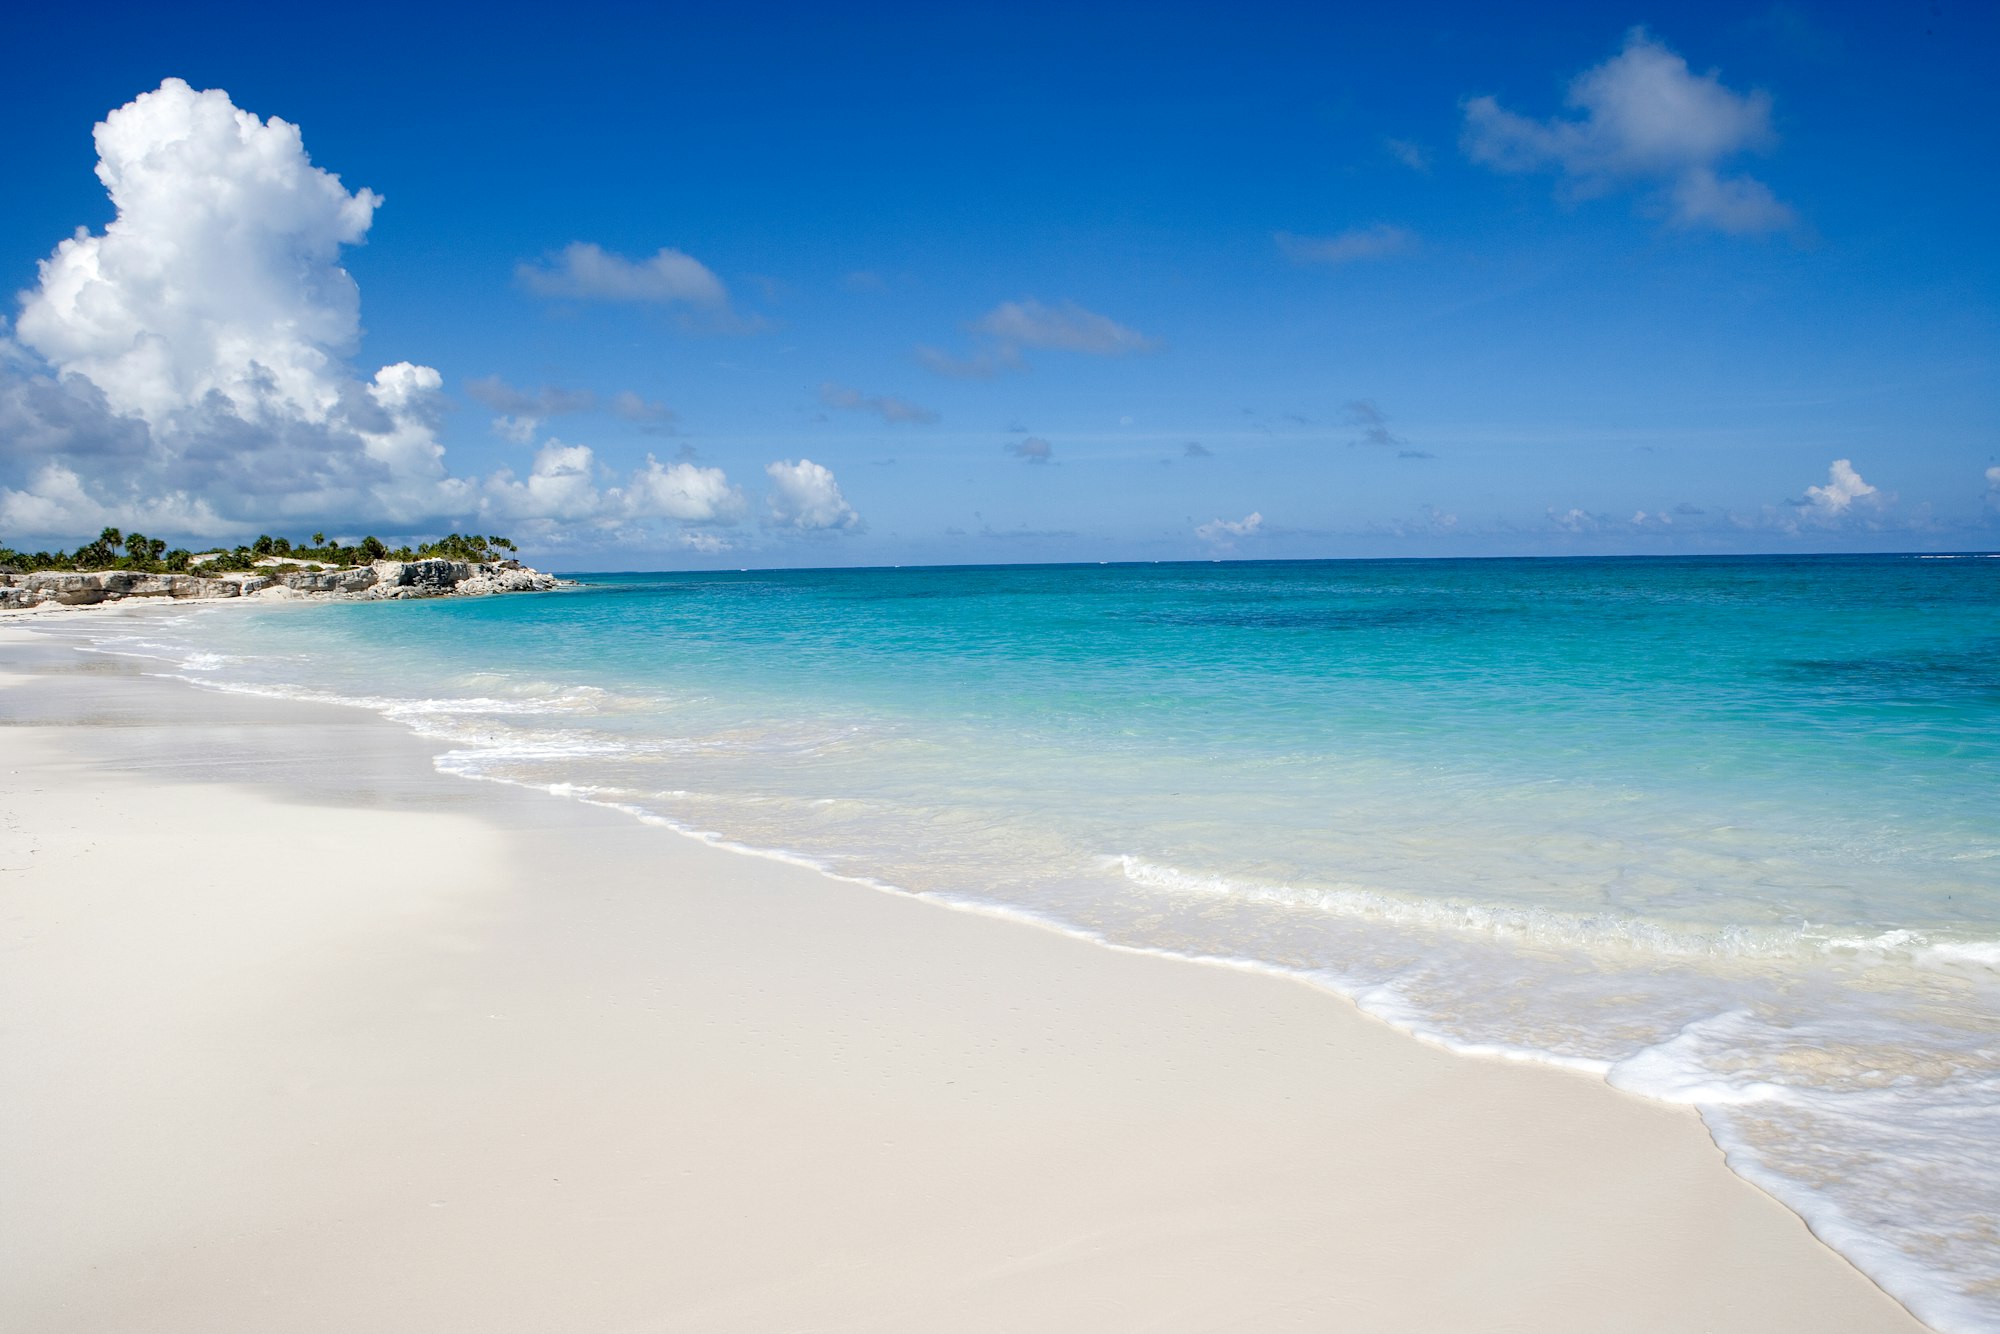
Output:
(298, 1035)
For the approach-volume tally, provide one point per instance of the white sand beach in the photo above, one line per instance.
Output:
(297, 1034)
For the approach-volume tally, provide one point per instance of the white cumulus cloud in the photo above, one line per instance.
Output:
(1222, 533)
(198, 345)
(56, 501)
(805, 496)
(1843, 487)
(1644, 118)
(189, 368)
(562, 485)
(220, 273)
(682, 491)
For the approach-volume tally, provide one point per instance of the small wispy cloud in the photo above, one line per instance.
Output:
(584, 271)
(1195, 449)
(548, 401)
(1363, 413)
(1067, 328)
(521, 413)
(1378, 241)
(655, 417)
(882, 405)
(1577, 520)
(1013, 327)
(979, 366)
(1032, 450)
(1411, 154)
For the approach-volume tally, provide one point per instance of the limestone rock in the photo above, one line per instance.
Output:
(72, 590)
(507, 577)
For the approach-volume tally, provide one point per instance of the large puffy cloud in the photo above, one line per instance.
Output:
(804, 495)
(1646, 118)
(682, 491)
(198, 347)
(562, 485)
(189, 368)
(218, 277)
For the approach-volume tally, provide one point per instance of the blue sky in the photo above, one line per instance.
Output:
(1010, 283)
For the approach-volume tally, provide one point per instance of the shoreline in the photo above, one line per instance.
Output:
(1343, 1169)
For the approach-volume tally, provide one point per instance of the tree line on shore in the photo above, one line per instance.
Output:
(117, 550)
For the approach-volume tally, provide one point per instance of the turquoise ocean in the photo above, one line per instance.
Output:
(1724, 832)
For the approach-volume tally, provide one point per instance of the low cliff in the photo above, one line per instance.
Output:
(383, 579)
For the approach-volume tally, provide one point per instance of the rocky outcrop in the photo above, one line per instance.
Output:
(383, 579)
(518, 579)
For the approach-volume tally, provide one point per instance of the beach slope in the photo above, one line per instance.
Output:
(300, 1035)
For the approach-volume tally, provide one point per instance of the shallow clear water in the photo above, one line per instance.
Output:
(1726, 830)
